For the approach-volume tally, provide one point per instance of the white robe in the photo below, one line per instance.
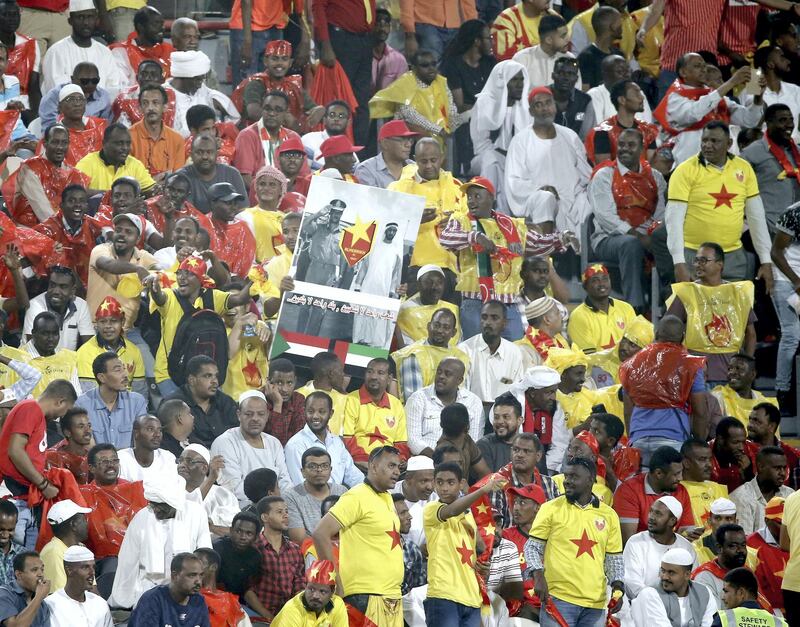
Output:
(648, 609)
(379, 274)
(220, 504)
(67, 612)
(62, 57)
(149, 546)
(642, 557)
(540, 65)
(163, 469)
(604, 108)
(560, 162)
(206, 96)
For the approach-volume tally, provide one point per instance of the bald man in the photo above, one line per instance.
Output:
(146, 460)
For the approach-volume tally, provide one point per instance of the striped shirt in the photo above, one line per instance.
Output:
(737, 31)
(689, 25)
(504, 566)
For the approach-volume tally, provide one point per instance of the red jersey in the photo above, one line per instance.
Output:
(28, 419)
(633, 499)
(528, 595)
(769, 572)
(76, 246)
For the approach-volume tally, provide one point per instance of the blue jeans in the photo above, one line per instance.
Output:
(433, 38)
(444, 613)
(167, 388)
(574, 615)
(470, 314)
(260, 40)
(26, 532)
(790, 334)
(650, 443)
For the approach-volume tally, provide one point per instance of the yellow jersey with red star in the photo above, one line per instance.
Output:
(368, 425)
(370, 554)
(247, 369)
(716, 199)
(594, 330)
(578, 540)
(128, 353)
(702, 494)
(451, 556)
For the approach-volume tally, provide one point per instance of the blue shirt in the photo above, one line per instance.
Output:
(116, 426)
(156, 608)
(668, 423)
(343, 470)
(13, 601)
(7, 563)
(98, 105)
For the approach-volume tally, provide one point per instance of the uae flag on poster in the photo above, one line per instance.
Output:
(304, 345)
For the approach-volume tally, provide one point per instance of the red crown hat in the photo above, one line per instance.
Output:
(279, 47)
(322, 572)
(774, 509)
(291, 144)
(538, 90)
(530, 491)
(588, 439)
(337, 145)
(292, 202)
(478, 181)
(109, 308)
(593, 269)
(197, 267)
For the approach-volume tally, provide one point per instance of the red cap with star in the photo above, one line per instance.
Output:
(593, 269)
(279, 48)
(478, 181)
(322, 572)
(197, 267)
(109, 308)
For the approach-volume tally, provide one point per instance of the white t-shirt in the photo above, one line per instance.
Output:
(163, 469)
(67, 612)
(75, 323)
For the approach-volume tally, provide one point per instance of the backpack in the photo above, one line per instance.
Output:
(199, 332)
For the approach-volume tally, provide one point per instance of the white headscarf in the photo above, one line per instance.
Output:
(491, 105)
(172, 492)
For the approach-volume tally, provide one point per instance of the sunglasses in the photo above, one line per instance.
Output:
(89, 81)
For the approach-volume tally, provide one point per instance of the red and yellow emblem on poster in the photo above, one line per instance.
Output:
(356, 241)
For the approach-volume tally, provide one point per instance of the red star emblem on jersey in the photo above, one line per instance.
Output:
(466, 553)
(723, 197)
(376, 436)
(585, 545)
(395, 536)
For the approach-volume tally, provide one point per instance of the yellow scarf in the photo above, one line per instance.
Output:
(413, 321)
(430, 102)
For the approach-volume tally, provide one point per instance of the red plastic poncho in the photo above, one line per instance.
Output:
(82, 141)
(68, 488)
(77, 247)
(160, 53)
(21, 59)
(8, 121)
(234, 244)
(57, 457)
(54, 179)
(291, 85)
(126, 106)
(660, 376)
(333, 84)
(226, 142)
(187, 210)
(113, 508)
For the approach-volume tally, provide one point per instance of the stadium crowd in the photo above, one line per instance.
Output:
(577, 418)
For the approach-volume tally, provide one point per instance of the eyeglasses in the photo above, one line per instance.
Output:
(103, 463)
(317, 467)
(337, 116)
(189, 462)
(89, 81)
(74, 98)
(704, 260)
(293, 155)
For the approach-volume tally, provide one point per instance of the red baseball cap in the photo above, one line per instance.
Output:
(337, 145)
(478, 181)
(530, 491)
(292, 144)
(395, 128)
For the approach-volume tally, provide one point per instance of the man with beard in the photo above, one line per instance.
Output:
(416, 312)
(417, 491)
(91, 609)
(42, 352)
(663, 604)
(146, 460)
(732, 541)
(60, 298)
(335, 122)
(290, 157)
(155, 144)
(762, 427)
(752, 497)
(738, 398)
(71, 452)
(204, 172)
(111, 261)
(33, 193)
(114, 161)
(731, 463)
(317, 603)
(327, 372)
(26, 593)
(126, 109)
(573, 107)
(395, 140)
(201, 472)
(697, 480)
(506, 421)
(68, 521)
(145, 42)
(231, 238)
(644, 551)
(578, 530)
(371, 557)
(315, 434)
(373, 417)
(177, 602)
(627, 198)
(539, 280)
(417, 365)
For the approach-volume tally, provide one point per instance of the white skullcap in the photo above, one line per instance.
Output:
(430, 267)
(679, 557)
(200, 450)
(170, 490)
(68, 90)
(251, 394)
(81, 5)
(672, 504)
(78, 553)
(723, 507)
(189, 63)
(539, 307)
(537, 377)
(419, 462)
